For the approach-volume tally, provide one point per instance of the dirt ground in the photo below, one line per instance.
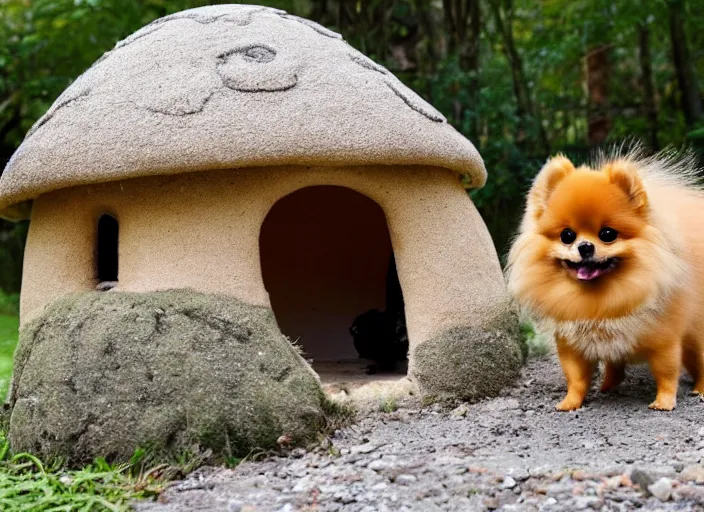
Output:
(509, 453)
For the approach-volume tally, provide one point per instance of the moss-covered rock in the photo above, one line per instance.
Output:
(469, 363)
(101, 374)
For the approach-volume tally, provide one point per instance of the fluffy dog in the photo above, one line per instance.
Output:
(611, 259)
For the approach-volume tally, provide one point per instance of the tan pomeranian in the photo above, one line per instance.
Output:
(611, 260)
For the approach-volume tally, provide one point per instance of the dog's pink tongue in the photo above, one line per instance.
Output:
(587, 274)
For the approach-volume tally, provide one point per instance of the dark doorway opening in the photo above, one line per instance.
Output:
(107, 249)
(325, 255)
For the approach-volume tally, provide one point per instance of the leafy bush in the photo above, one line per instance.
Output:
(9, 304)
(539, 344)
(12, 240)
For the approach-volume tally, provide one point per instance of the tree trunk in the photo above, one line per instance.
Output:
(690, 98)
(12, 123)
(463, 25)
(319, 11)
(455, 23)
(526, 111)
(430, 32)
(646, 69)
(597, 75)
(469, 58)
(463, 18)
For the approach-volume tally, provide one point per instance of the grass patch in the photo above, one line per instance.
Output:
(27, 484)
(8, 342)
(337, 416)
(388, 405)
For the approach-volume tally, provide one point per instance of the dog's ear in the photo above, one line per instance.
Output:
(553, 172)
(624, 174)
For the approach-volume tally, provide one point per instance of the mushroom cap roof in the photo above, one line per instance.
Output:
(227, 87)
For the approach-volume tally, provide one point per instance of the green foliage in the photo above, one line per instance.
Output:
(12, 237)
(696, 139)
(8, 341)
(45, 44)
(9, 303)
(27, 484)
(539, 345)
(388, 405)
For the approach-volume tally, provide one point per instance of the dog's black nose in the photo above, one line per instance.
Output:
(586, 249)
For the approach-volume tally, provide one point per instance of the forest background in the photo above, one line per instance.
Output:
(522, 79)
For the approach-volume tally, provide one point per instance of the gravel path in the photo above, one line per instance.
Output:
(510, 453)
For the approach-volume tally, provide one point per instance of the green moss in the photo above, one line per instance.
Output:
(102, 374)
(469, 363)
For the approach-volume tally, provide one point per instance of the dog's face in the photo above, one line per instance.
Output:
(585, 250)
(591, 224)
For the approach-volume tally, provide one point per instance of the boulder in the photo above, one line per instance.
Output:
(470, 362)
(102, 374)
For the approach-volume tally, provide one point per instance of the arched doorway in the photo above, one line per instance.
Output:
(325, 254)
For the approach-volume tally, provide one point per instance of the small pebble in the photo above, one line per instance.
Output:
(584, 502)
(460, 412)
(234, 506)
(641, 478)
(491, 503)
(613, 483)
(378, 465)
(537, 472)
(364, 448)
(579, 475)
(508, 483)
(298, 453)
(693, 473)
(405, 479)
(502, 404)
(662, 489)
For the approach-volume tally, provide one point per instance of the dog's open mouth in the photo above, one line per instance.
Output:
(587, 270)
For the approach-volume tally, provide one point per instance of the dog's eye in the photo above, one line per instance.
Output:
(607, 235)
(568, 236)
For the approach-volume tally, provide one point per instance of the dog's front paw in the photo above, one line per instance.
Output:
(664, 403)
(569, 404)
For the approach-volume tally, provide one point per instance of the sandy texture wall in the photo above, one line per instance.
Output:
(201, 231)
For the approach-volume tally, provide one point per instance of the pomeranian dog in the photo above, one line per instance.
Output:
(611, 260)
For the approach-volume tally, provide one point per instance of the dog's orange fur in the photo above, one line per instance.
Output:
(650, 307)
